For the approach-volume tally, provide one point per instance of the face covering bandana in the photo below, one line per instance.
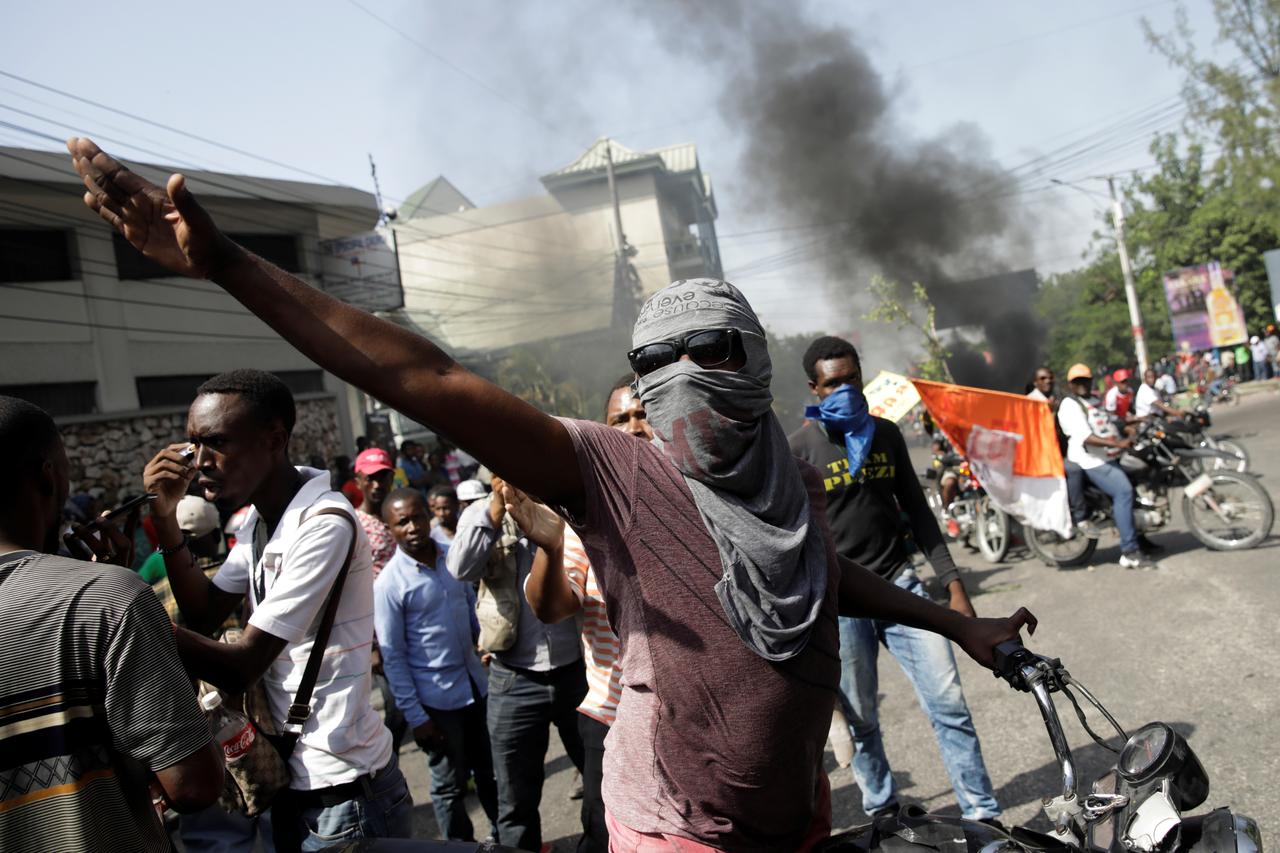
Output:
(844, 413)
(718, 428)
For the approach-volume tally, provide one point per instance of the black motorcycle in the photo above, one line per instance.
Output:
(1213, 452)
(1138, 806)
(1224, 509)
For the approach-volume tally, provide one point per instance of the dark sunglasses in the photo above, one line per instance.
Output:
(706, 348)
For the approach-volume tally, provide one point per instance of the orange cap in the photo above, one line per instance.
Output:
(1079, 371)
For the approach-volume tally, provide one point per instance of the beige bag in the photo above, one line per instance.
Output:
(498, 596)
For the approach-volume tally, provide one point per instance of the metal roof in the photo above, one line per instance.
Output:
(673, 158)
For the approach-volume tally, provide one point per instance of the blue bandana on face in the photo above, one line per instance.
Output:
(844, 412)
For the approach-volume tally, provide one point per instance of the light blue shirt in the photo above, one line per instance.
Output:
(538, 646)
(427, 630)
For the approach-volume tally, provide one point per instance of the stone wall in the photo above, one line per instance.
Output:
(107, 454)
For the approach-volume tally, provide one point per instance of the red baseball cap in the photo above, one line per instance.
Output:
(373, 460)
(1121, 375)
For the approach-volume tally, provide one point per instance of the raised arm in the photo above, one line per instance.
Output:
(403, 370)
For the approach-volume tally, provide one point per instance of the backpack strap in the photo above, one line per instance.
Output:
(300, 710)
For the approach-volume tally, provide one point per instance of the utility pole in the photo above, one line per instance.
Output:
(1130, 289)
(625, 279)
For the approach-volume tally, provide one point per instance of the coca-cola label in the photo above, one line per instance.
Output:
(238, 744)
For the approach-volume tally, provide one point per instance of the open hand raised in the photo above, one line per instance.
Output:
(167, 225)
(543, 527)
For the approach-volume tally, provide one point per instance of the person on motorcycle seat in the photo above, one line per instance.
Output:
(1042, 388)
(943, 467)
(1150, 401)
(1094, 443)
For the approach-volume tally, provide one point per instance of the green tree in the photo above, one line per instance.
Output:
(1211, 197)
(916, 313)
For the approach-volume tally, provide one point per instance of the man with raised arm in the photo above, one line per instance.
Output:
(712, 546)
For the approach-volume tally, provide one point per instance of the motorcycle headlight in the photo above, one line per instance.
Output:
(1155, 752)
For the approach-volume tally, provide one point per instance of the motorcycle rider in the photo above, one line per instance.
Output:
(1042, 388)
(1150, 400)
(1093, 443)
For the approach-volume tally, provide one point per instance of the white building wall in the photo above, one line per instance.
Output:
(177, 330)
(513, 273)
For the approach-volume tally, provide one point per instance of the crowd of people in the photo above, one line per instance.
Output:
(682, 591)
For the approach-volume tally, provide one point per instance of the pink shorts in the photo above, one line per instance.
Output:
(623, 839)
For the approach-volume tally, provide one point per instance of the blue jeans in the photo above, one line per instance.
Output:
(466, 753)
(383, 810)
(929, 663)
(1112, 480)
(212, 830)
(523, 705)
(1075, 491)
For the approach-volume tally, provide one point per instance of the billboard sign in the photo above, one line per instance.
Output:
(1203, 312)
(362, 270)
(1272, 260)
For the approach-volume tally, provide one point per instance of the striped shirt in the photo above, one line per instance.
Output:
(93, 698)
(600, 648)
(288, 578)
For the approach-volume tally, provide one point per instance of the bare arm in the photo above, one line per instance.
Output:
(195, 782)
(403, 370)
(865, 594)
(234, 667)
(547, 588)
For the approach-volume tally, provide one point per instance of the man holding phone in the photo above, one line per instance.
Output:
(345, 781)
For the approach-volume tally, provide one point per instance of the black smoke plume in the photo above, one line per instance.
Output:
(821, 145)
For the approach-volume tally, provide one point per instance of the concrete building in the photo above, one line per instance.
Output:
(481, 279)
(114, 346)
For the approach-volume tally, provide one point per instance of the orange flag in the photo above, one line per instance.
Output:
(1011, 445)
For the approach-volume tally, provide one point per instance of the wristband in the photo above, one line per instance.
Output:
(173, 549)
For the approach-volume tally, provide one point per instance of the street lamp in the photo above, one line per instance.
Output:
(1126, 268)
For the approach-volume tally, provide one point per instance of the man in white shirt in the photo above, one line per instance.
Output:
(1093, 443)
(345, 782)
(1150, 400)
(1166, 385)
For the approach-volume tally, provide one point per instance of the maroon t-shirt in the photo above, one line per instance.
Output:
(712, 742)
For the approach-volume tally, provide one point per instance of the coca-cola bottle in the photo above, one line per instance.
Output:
(234, 733)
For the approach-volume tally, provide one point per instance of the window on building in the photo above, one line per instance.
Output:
(132, 265)
(280, 249)
(28, 254)
(177, 391)
(302, 381)
(168, 391)
(58, 398)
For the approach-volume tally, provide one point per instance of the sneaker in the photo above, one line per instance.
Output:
(1136, 560)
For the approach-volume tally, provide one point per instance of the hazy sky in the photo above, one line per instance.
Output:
(494, 94)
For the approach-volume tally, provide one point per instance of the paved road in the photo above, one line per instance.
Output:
(1192, 644)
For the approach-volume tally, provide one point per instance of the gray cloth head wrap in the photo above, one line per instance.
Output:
(718, 428)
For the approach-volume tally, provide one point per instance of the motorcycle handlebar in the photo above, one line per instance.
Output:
(1029, 672)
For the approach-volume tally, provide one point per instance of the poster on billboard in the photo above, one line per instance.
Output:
(361, 270)
(1203, 313)
(1272, 260)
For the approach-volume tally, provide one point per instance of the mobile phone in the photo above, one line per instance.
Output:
(187, 452)
(127, 507)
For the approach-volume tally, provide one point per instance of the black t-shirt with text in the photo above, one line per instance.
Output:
(866, 512)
